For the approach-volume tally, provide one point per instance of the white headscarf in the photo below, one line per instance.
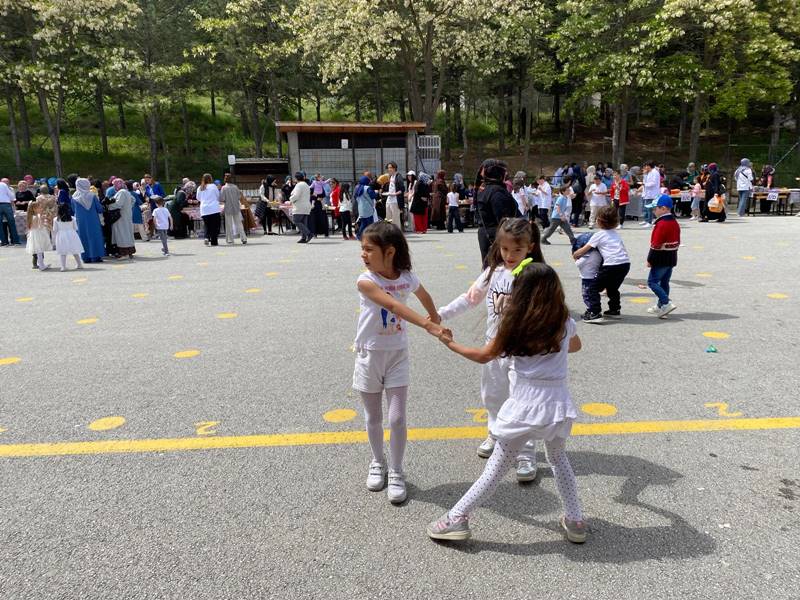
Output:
(83, 195)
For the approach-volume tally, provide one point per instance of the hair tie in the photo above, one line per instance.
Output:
(518, 269)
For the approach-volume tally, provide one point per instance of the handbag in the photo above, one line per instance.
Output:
(113, 215)
(716, 204)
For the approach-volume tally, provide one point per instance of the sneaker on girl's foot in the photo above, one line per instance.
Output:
(396, 490)
(665, 310)
(377, 476)
(575, 530)
(486, 448)
(445, 528)
(526, 470)
(655, 309)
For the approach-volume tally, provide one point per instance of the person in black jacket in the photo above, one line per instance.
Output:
(494, 203)
(713, 187)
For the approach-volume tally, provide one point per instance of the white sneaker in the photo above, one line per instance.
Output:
(396, 490)
(645, 224)
(654, 310)
(619, 226)
(526, 470)
(377, 476)
(665, 310)
(486, 448)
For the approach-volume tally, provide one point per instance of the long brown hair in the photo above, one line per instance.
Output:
(535, 319)
(206, 180)
(521, 231)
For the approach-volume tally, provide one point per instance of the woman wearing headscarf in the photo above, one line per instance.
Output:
(231, 196)
(494, 204)
(420, 202)
(180, 220)
(136, 209)
(713, 187)
(267, 193)
(87, 210)
(365, 197)
(439, 201)
(744, 185)
(122, 228)
(62, 189)
(767, 181)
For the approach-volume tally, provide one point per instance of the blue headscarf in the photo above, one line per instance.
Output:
(363, 182)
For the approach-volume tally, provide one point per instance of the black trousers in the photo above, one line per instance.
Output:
(346, 221)
(609, 278)
(212, 224)
(544, 217)
(485, 240)
(454, 216)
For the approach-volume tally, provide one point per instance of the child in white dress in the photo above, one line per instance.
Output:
(65, 236)
(38, 233)
(536, 333)
(516, 239)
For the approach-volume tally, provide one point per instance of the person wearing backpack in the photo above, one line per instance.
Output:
(365, 199)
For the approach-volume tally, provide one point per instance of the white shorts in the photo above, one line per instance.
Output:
(377, 370)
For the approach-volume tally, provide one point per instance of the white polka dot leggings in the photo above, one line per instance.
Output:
(502, 459)
(396, 398)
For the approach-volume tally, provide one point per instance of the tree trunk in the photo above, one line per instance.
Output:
(152, 136)
(166, 151)
(52, 132)
(465, 142)
(213, 103)
(527, 137)
(101, 115)
(299, 108)
(501, 120)
(187, 141)
(402, 108)
(12, 126)
(682, 125)
(255, 125)
(25, 122)
(775, 134)
(243, 120)
(358, 109)
(276, 116)
(557, 112)
(319, 107)
(457, 117)
(694, 130)
(447, 132)
(378, 98)
(619, 130)
(121, 113)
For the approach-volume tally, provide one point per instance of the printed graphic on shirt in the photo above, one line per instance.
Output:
(391, 322)
(498, 295)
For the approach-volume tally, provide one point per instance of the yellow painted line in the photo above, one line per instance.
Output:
(88, 321)
(640, 300)
(360, 437)
(80, 280)
(10, 360)
(748, 258)
(702, 275)
(252, 290)
(186, 354)
(774, 296)
(271, 274)
(227, 315)
(25, 299)
(175, 277)
(202, 264)
(140, 295)
(717, 335)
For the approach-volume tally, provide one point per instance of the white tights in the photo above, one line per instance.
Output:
(373, 414)
(63, 258)
(502, 459)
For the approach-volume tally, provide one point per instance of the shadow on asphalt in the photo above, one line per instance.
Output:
(678, 282)
(608, 542)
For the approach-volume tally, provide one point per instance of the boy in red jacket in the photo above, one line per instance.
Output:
(663, 256)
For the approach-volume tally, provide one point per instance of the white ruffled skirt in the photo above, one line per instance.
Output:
(537, 409)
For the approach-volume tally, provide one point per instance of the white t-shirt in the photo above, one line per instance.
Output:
(452, 199)
(598, 194)
(6, 195)
(652, 185)
(552, 366)
(610, 245)
(378, 329)
(494, 293)
(209, 200)
(522, 200)
(391, 198)
(589, 264)
(161, 217)
(545, 196)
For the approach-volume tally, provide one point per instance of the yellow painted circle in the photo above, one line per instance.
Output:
(25, 299)
(252, 290)
(175, 277)
(339, 415)
(186, 354)
(80, 280)
(639, 300)
(107, 423)
(748, 258)
(228, 315)
(556, 263)
(461, 267)
(599, 409)
(140, 295)
(117, 266)
(716, 335)
(778, 296)
(10, 360)
(271, 274)
(702, 275)
(88, 321)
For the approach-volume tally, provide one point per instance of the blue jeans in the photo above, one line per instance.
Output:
(744, 202)
(658, 281)
(647, 213)
(7, 214)
(363, 224)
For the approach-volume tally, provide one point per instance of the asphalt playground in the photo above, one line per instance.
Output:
(184, 428)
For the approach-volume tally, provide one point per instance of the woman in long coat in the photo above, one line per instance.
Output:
(87, 210)
(439, 201)
(122, 229)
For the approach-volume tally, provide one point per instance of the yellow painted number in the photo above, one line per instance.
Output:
(722, 409)
(206, 427)
(479, 415)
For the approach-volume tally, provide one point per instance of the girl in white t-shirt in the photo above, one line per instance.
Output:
(516, 239)
(535, 335)
(453, 214)
(381, 346)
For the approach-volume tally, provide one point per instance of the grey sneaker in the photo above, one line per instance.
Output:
(575, 530)
(654, 310)
(526, 470)
(377, 476)
(486, 448)
(396, 490)
(665, 310)
(445, 528)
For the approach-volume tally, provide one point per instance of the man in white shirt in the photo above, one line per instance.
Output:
(651, 190)
(7, 214)
(744, 185)
(598, 198)
(301, 201)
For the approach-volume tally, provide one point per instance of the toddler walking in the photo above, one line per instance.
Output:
(381, 346)
(515, 240)
(65, 235)
(535, 334)
(38, 241)
(163, 223)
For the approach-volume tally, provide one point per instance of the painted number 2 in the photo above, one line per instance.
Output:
(722, 409)
(206, 427)
(479, 415)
